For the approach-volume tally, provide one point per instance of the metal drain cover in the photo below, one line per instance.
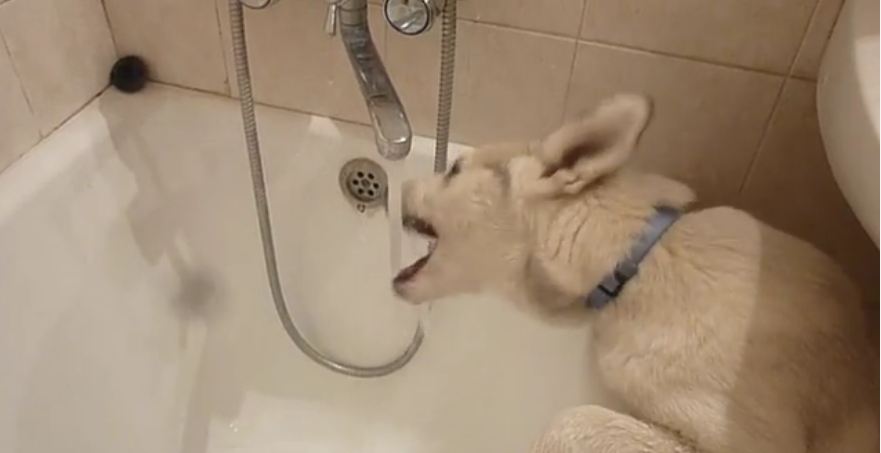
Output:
(364, 183)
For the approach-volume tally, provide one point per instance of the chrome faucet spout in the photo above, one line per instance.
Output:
(390, 124)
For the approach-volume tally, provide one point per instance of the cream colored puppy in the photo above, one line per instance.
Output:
(732, 338)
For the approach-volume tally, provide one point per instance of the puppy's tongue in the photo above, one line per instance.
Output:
(416, 250)
(410, 271)
(413, 246)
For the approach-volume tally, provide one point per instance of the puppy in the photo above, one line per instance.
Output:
(732, 337)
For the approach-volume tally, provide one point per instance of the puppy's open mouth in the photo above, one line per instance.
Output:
(424, 228)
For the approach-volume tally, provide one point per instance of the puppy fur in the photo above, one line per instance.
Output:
(732, 338)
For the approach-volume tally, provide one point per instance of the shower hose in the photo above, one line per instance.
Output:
(255, 160)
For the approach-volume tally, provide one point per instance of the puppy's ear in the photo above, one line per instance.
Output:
(582, 151)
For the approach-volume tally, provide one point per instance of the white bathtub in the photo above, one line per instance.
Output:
(135, 314)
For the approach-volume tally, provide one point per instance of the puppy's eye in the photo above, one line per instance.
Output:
(454, 170)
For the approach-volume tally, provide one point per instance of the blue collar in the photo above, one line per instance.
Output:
(612, 284)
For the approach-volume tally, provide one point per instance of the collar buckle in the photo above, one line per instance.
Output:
(611, 285)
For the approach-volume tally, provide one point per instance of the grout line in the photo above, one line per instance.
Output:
(665, 54)
(750, 169)
(828, 36)
(802, 78)
(44, 137)
(186, 87)
(833, 25)
(542, 33)
(223, 51)
(24, 92)
(109, 26)
(79, 109)
(569, 83)
(262, 104)
(804, 35)
(584, 6)
(629, 47)
(585, 10)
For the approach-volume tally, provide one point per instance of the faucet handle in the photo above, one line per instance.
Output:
(330, 21)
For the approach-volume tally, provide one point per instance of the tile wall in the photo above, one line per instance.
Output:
(733, 82)
(54, 57)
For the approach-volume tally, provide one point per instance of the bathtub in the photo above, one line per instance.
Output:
(135, 314)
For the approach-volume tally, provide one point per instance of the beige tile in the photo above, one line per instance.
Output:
(20, 130)
(513, 84)
(294, 64)
(62, 50)
(562, 17)
(707, 120)
(807, 62)
(509, 84)
(413, 63)
(792, 187)
(762, 34)
(180, 40)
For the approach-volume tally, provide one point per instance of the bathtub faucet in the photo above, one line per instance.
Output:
(390, 124)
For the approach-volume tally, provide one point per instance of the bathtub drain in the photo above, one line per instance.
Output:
(364, 184)
(261, 202)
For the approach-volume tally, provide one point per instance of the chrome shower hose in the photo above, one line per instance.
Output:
(263, 215)
(445, 86)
